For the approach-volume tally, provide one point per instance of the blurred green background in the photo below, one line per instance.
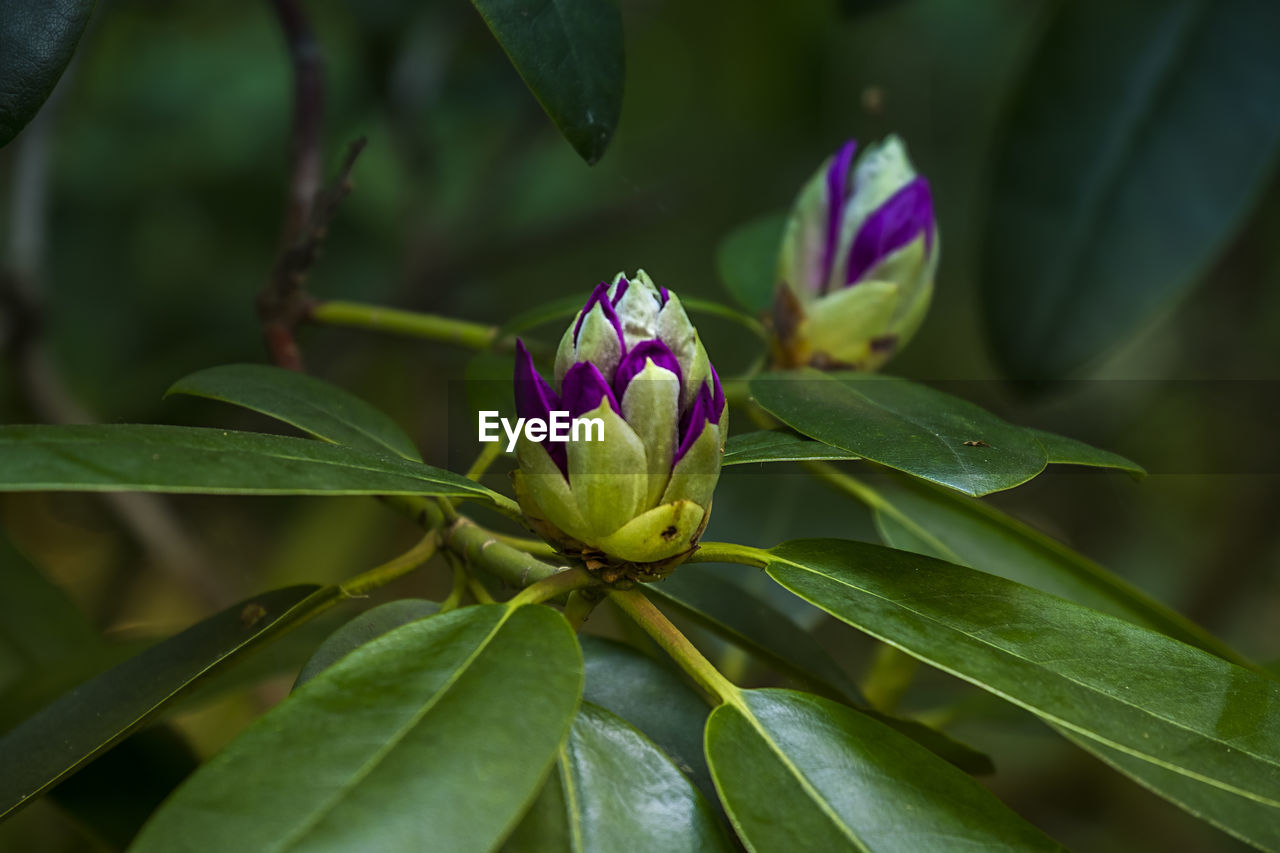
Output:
(168, 159)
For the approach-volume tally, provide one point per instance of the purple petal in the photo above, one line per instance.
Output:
(634, 362)
(623, 284)
(837, 195)
(694, 422)
(663, 294)
(535, 399)
(717, 396)
(583, 388)
(895, 224)
(601, 296)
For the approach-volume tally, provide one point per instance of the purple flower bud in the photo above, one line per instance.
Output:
(584, 387)
(905, 216)
(634, 362)
(536, 399)
(600, 296)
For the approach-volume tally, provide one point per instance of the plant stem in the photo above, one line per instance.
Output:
(462, 333)
(579, 607)
(642, 611)
(393, 569)
(488, 455)
(480, 547)
(727, 552)
(460, 581)
(566, 580)
(535, 547)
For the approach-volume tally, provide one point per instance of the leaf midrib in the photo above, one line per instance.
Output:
(362, 772)
(1125, 748)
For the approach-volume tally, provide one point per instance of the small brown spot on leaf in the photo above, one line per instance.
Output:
(252, 614)
(669, 533)
(976, 444)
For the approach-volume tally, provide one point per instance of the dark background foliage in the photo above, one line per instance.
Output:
(167, 143)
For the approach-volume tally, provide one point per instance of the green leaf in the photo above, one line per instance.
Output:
(906, 426)
(436, 735)
(912, 428)
(651, 697)
(1067, 451)
(714, 309)
(1142, 135)
(793, 766)
(90, 718)
(569, 53)
(755, 625)
(915, 516)
(1246, 819)
(747, 261)
(312, 405)
(151, 458)
(778, 446)
(560, 308)
(1134, 690)
(37, 39)
(613, 790)
(365, 628)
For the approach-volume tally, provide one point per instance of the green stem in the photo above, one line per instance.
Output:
(488, 454)
(579, 607)
(727, 552)
(460, 579)
(554, 586)
(535, 547)
(462, 333)
(643, 612)
(393, 569)
(481, 548)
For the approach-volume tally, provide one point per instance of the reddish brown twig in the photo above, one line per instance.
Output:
(283, 303)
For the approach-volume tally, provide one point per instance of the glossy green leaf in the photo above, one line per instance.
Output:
(906, 426)
(365, 628)
(779, 446)
(90, 718)
(436, 735)
(755, 625)
(1250, 821)
(651, 697)
(1132, 689)
(796, 769)
(747, 261)
(37, 39)
(570, 54)
(1141, 135)
(613, 790)
(939, 523)
(151, 458)
(312, 405)
(1068, 451)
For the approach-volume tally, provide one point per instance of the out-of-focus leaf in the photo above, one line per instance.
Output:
(1068, 451)
(113, 795)
(436, 735)
(312, 405)
(706, 306)
(747, 261)
(779, 446)
(570, 54)
(365, 628)
(613, 790)
(1134, 690)
(37, 39)
(90, 718)
(907, 426)
(151, 458)
(39, 626)
(652, 698)
(795, 766)
(754, 624)
(560, 308)
(939, 523)
(1140, 138)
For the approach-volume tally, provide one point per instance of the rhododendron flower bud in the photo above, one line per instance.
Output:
(857, 261)
(633, 497)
